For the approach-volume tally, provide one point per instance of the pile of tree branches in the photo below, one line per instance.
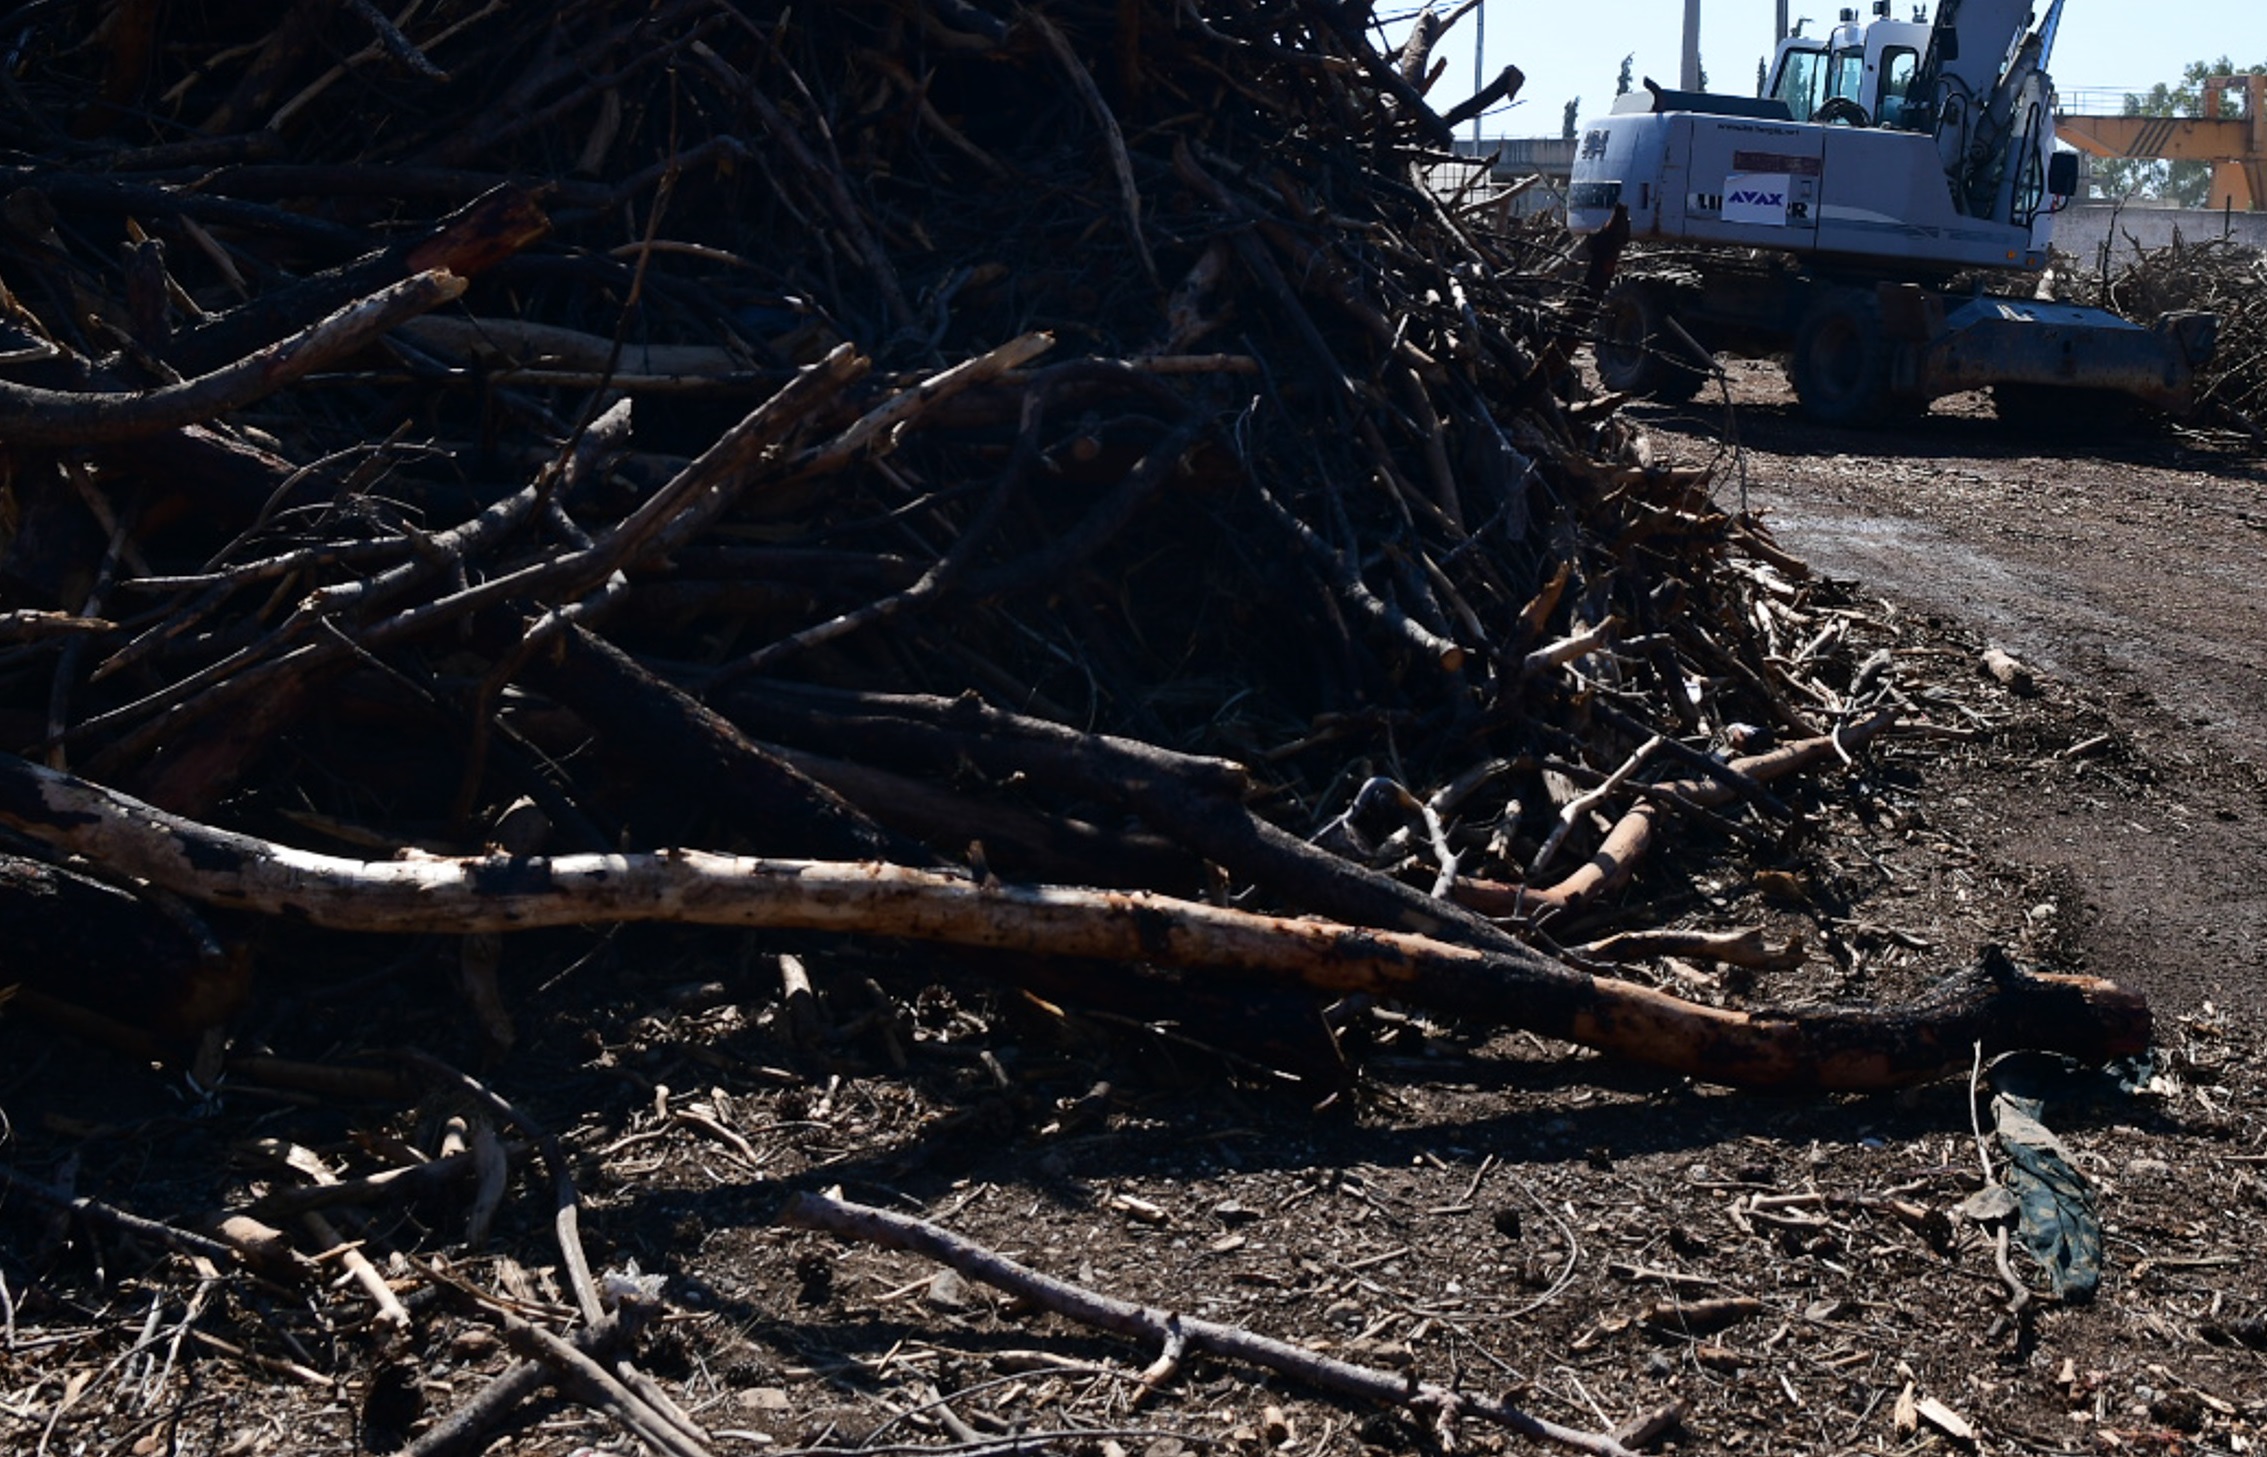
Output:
(1029, 473)
(2218, 276)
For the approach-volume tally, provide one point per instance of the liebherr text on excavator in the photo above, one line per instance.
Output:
(1828, 220)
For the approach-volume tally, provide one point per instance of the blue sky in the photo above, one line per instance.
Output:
(1574, 47)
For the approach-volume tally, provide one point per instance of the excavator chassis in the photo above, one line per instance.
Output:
(1862, 351)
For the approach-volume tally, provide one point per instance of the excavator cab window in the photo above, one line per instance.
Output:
(1899, 66)
(1847, 77)
(1802, 82)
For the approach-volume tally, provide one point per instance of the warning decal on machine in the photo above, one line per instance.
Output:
(1757, 197)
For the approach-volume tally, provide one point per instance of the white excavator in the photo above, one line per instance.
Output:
(1845, 218)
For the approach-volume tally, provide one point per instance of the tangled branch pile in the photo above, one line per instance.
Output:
(1058, 443)
(2218, 276)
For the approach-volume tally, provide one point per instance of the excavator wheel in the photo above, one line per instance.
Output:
(1637, 353)
(1841, 360)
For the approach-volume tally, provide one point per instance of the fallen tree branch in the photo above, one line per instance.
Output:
(1168, 1330)
(675, 512)
(578, 1363)
(1848, 1048)
(477, 237)
(1749, 948)
(33, 416)
(1572, 812)
(576, 1369)
(1121, 166)
(126, 1222)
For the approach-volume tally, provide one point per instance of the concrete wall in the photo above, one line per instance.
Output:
(2081, 230)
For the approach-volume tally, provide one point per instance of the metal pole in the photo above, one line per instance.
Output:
(1690, 78)
(1782, 22)
(1479, 62)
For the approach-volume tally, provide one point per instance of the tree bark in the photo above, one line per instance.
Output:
(1844, 1049)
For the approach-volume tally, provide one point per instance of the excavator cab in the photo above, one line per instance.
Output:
(1856, 75)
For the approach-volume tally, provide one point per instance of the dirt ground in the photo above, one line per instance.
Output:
(1506, 1214)
(2126, 574)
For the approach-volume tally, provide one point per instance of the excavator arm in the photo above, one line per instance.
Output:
(1985, 73)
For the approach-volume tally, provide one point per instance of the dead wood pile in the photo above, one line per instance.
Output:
(2218, 276)
(1055, 444)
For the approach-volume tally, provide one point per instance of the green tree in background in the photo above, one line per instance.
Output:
(1573, 113)
(1622, 82)
(1762, 75)
(2186, 184)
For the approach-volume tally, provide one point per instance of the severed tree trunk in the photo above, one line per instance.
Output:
(1860, 1048)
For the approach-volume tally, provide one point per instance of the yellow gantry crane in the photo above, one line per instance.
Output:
(2236, 146)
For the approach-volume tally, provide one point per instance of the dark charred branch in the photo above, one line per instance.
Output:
(467, 243)
(692, 767)
(79, 940)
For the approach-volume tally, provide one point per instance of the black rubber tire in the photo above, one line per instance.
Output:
(1636, 353)
(1841, 361)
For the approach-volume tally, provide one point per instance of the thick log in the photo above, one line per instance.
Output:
(1845, 1049)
